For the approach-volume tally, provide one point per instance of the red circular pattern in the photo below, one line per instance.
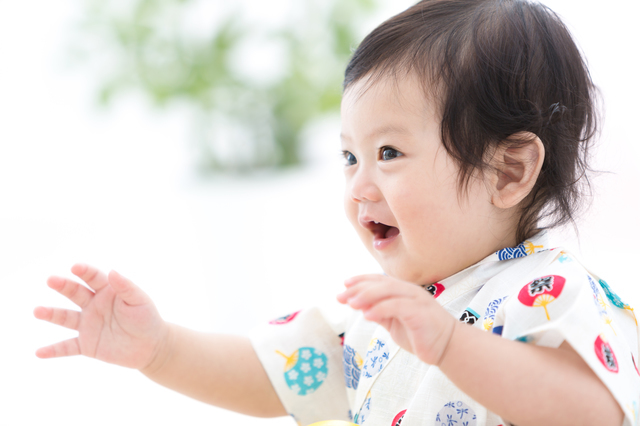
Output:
(551, 285)
(397, 420)
(435, 289)
(605, 354)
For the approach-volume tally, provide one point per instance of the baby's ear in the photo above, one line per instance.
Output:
(515, 167)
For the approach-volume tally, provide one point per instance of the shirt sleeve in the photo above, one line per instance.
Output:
(302, 355)
(567, 303)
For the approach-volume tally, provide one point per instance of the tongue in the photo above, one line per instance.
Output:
(391, 232)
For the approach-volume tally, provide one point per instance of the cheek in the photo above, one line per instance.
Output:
(414, 198)
(423, 206)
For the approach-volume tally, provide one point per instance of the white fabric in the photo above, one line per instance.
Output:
(528, 293)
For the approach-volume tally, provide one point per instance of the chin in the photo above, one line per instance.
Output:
(409, 275)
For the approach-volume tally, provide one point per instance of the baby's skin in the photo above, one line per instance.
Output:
(396, 171)
(516, 372)
(118, 323)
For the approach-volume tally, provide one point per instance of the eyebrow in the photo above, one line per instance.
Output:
(385, 130)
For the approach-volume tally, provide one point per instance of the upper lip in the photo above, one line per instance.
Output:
(368, 222)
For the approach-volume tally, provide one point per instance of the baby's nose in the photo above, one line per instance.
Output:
(363, 187)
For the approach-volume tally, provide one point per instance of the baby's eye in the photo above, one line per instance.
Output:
(349, 158)
(387, 153)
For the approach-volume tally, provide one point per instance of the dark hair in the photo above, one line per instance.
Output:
(496, 68)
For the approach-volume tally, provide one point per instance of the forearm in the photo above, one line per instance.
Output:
(221, 370)
(526, 384)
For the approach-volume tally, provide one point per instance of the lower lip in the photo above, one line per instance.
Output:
(381, 244)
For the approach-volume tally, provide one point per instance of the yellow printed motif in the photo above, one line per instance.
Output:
(530, 247)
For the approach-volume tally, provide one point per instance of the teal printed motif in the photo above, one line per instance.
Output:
(473, 312)
(614, 298)
(564, 257)
(305, 370)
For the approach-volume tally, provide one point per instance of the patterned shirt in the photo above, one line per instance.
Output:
(325, 367)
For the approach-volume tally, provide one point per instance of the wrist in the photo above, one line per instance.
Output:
(163, 352)
(445, 351)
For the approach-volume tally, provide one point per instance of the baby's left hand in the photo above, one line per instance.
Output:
(412, 316)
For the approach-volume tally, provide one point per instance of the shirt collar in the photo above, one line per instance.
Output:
(536, 244)
(495, 262)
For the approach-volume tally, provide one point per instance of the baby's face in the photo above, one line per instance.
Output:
(402, 187)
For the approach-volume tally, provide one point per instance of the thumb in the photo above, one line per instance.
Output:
(130, 293)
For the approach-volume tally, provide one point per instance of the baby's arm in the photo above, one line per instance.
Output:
(526, 384)
(221, 370)
(119, 324)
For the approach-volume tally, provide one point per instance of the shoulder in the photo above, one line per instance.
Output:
(561, 297)
(551, 286)
(558, 277)
(551, 273)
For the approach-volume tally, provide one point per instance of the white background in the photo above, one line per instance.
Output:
(115, 189)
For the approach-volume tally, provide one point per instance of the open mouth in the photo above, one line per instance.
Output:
(381, 231)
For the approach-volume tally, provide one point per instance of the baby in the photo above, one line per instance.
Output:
(465, 131)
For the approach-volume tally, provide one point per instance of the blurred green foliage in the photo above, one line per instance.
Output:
(245, 117)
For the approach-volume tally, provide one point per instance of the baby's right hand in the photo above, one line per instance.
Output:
(118, 323)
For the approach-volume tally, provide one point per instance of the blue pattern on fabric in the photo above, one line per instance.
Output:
(596, 295)
(490, 313)
(351, 367)
(497, 330)
(512, 252)
(594, 287)
(363, 415)
(376, 358)
(492, 309)
(456, 413)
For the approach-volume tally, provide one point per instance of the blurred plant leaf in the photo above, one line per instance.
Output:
(241, 123)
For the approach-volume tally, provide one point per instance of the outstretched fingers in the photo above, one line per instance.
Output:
(94, 278)
(65, 348)
(63, 317)
(77, 293)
